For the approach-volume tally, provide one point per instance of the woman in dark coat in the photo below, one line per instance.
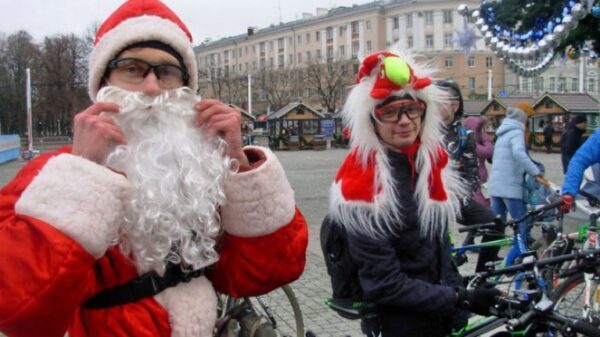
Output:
(572, 139)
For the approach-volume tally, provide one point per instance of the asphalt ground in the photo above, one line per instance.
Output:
(310, 174)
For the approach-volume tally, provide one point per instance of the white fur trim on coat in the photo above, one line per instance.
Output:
(192, 308)
(78, 197)
(134, 30)
(259, 201)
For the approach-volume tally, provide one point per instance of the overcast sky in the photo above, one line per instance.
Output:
(214, 19)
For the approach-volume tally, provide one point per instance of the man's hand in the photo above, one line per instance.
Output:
(478, 300)
(218, 119)
(94, 135)
(568, 201)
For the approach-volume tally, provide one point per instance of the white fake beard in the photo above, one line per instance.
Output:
(177, 176)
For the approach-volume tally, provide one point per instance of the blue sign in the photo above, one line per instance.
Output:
(327, 127)
(502, 93)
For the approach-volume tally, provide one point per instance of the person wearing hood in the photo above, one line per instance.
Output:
(396, 194)
(510, 163)
(462, 149)
(484, 149)
(572, 139)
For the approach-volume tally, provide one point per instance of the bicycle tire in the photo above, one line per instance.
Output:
(285, 307)
(568, 299)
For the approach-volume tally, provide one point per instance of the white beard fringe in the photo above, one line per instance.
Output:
(177, 176)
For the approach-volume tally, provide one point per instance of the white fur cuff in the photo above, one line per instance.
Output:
(259, 201)
(78, 197)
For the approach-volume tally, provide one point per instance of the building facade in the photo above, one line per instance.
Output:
(339, 37)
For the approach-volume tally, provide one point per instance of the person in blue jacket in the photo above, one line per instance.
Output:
(587, 155)
(510, 163)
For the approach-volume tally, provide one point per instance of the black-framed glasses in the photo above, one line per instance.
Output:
(133, 71)
(392, 112)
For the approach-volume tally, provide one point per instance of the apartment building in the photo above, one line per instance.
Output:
(343, 34)
(563, 76)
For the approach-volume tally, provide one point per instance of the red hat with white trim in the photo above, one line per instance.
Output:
(134, 22)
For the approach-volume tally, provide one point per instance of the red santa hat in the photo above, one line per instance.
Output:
(363, 195)
(134, 22)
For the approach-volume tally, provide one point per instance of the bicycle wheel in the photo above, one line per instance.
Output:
(281, 308)
(569, 298)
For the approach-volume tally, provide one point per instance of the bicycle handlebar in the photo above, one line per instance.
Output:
(540, 264)
(475, 227)
(556, 203)
(577, 325)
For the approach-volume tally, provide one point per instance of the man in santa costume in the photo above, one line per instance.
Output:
(130, 231)
(396, 195)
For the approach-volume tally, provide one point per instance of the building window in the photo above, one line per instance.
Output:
(409, 20)
(310, 127)
(449, 62)
(552, 84)
(575, 85)
(428, 18)
(541, 83)
(290, 40)
(342, 29)
(318, 54)
(354, 28)
(448, 40)
(270, 46)
(291, 59)
(299, 39)
(562, 84)
(271, 63)
(329, 53)
(489, 62)
(429, 41)
(409, 41)
(246, 50)
(536, 84)
(317, 35)
(395, 22)
(342, 51)
(548, 104)
(299, 58)
(471, 61)
(472, 83)
(329, 33)
(369, 47)
(368, 24)
(524, 84)
(308, 56)
(591, 84)
(307, 37)
(448, 16)
(355, 47)
(280, 44)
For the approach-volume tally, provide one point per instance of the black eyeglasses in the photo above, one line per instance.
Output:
(133, 71)
(392, 112)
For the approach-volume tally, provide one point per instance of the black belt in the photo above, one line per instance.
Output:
(145, 285)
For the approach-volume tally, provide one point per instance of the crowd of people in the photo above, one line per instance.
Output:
(158, 204)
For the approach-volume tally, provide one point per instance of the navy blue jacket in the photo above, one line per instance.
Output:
(410, 276)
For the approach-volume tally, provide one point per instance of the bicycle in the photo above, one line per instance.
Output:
(529, 313)
(578, 293)
(276, 313)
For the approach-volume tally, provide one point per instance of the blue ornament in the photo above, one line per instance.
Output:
(596, 11)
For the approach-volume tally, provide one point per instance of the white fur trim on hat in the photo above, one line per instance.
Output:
(192, 308)
(134, 30)
(78, 197)
(259, 201)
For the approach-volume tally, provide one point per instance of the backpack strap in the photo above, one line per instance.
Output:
(145, 285)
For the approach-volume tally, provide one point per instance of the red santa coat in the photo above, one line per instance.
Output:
(54, 252)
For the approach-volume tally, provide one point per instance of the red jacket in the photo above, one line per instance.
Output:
(52, 257)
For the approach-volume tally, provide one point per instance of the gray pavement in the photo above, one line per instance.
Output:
(310, 174)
